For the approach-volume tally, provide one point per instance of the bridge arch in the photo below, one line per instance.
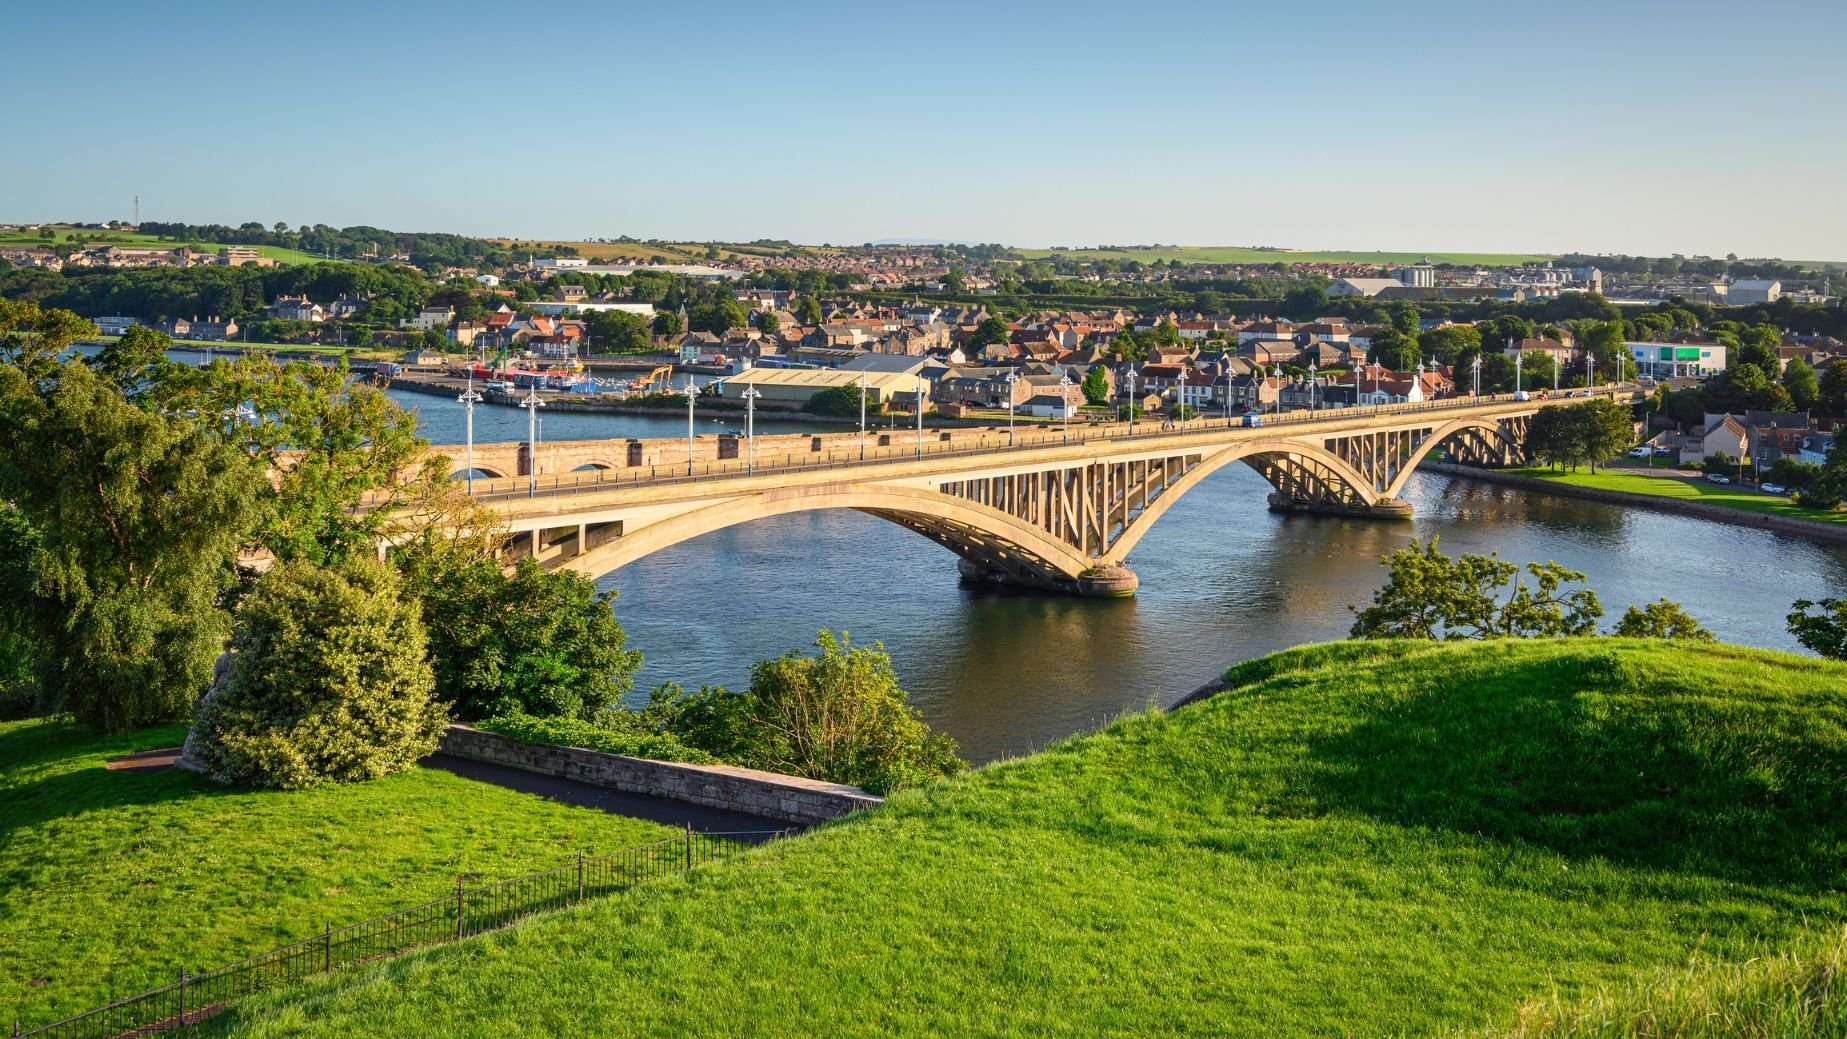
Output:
(1492, 432)
(594, 464)
(490, 472)
(1258, 455)
(981, 534)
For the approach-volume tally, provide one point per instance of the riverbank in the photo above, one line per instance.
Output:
(1832, 531)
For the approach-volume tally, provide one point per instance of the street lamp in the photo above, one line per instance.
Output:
(1064, 400)
(1518, 359)
(1131, 378)
(1314, 367)
(468, 399)
(862, 416)
(1013, 376)
(1476, 366)
(920, 399)
(532, 404)
(1228, 389)
(690, 396)
(1590, 370)
(750, 396)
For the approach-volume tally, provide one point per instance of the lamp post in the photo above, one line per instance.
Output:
(862, 416)
(468, 399)
(532, 404)
(1228, 390)
(1013, 376)
(1064, 400)
(750, 427)
(1131, 378)
(1314, 367)
(920, 399)
(1590, 370)
(690, 396)
(1476, 367)
(1518, 359)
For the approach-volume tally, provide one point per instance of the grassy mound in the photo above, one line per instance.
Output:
(1802, 993)
(1361, 838)
(109, 881)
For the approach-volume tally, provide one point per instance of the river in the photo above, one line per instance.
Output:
(1222, 580)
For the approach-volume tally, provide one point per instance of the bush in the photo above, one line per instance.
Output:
(620, 733)
(842, 401)
(328, 681)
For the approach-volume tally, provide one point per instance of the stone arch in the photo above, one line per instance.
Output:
(1489, 430)
(1253, 453)
(978, 533)
(593, 464)
(489, 471)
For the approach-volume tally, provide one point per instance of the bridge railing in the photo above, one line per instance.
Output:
(602, 480)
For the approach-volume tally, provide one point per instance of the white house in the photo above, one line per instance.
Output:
(1362, 286)
(487, 280)
(1744, 293)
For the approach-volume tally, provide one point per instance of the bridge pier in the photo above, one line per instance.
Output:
(1103, 581)
(1385, 508)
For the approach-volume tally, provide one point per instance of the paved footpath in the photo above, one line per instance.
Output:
(615, 802)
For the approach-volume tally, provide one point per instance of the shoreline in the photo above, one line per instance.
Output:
(1828, 532)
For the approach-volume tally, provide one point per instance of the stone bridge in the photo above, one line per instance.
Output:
(1041, 508)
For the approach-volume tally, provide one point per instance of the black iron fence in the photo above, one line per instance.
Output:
(470, 910)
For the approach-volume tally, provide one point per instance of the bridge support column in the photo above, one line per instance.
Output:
(1103, 581)
(1385, 508)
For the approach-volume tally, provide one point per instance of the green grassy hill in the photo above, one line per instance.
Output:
(93, 238)
(1235, 254)
(109, 881)
(1359, 839)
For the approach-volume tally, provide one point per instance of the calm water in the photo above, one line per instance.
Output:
(1222, 579)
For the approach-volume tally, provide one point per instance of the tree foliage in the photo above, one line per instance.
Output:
(1430, 595)
(838, 715)
(329, 682)
(1096, 385)
(1661, 619)
(1580, 434)
(1821, 627)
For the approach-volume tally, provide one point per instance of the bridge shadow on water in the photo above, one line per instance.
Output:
(1525, 755)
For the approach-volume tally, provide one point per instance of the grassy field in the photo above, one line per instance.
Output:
(1732, 496)
(109, 881)
(1358, 839)
(92, 237)
(1232, 254)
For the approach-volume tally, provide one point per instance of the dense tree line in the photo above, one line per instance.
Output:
(425, 249)
(152, 293)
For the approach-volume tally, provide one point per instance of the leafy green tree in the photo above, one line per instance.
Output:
(1581, 434)
(1404, 319)
(1096, 385)
(839, 715)
(668, 323)
(808, 311)
(136, 360)
(1824, 630)
(32, 339)
(1394, 349)
(1165, 333)
(329, 682)
(717, 317)
(1832, 399)
(1745, 387)
(990, 331)
(769, 324)
(1450, 343)
(841, 401)
(1661, 619)
(535, 642)
(1430, 595)
(956, 280)
(1613, 360)
(1304, 302)
(617, 332)
(136, 517)
(1800, 383)
(1794, 474)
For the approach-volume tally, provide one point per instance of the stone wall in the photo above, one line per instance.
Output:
(775, 796)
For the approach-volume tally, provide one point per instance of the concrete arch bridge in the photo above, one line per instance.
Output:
(1050, 510)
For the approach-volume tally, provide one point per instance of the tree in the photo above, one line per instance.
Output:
(808, 311)
(1096, 385)
(1395, 350)
(768, 323)
(1832, 398)
(617, 332)
(717, 317)
(135, 518)
(839, 715)
(1803, 387)
(1429, 596)
(1304, 302)
(668, 323)
(534, 641)
(990, 331)
(32, 339)
(328, 682)
(136, 360)
(841, 401)
(1604, 342)
(1450, 343)
(956, 280)
(1581, 434)
(1823, 631)
(1661, 619)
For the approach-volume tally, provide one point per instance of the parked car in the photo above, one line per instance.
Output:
(1718, 478)
(1773, 488)
(1663, 452)
(1639, 452)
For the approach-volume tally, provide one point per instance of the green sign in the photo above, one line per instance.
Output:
(1686, 353)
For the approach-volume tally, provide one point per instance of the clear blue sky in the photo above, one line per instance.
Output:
(1686, 127)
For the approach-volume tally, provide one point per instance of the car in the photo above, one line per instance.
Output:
(1252, 420)
(1663, 452)
(1522, 395)
(1638, 452)
(1718, 478)
(1773, 488)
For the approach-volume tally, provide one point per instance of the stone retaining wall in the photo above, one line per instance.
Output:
(775, 796)
(1721, 513)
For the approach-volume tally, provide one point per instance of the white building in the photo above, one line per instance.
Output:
(1678, 360)
(1362, 286)
(1745, 293)
(1419, 275)
(488, 280)
(561, 262)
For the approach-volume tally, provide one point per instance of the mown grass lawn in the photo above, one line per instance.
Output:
(110, 881)
(1360, 839)
(1731, 496)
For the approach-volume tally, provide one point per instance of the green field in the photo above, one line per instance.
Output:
(1233, 254)
(1732, 496)
(113, 880)
(92, 238)
(1357, 839)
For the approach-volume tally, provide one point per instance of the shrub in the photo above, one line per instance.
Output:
(1661, 619)
(620, 733)
(329, 681)
(842, 401)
